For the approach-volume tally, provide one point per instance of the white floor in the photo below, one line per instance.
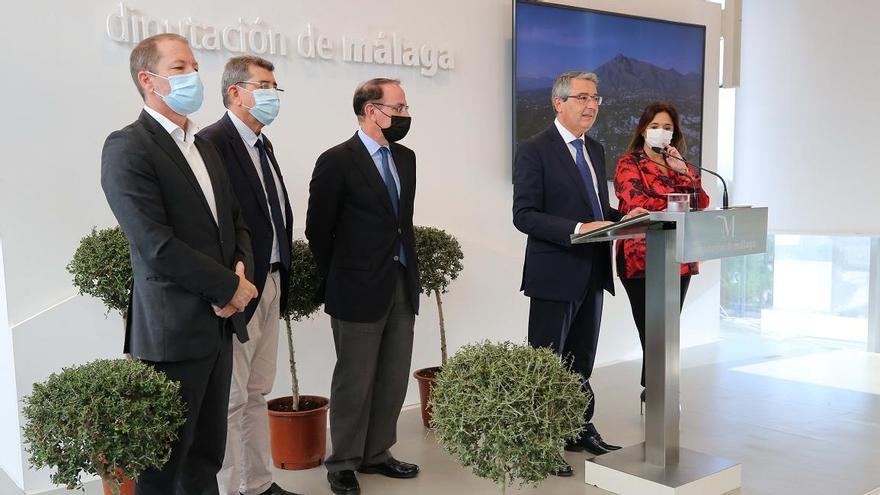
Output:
(801, 415)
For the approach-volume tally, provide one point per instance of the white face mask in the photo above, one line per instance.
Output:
(658, 137)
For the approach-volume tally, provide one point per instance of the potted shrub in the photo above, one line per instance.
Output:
(298, 424)
(506, 411)
(110, 418)
(101, 267)
(440, 256)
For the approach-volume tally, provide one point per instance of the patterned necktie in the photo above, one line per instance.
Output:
(274, 205)
(392, 192)
(583, 168)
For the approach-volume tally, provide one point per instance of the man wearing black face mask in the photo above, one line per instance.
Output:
(359, 227)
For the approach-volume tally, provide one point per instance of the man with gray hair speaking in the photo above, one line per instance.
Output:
(559, 189)
(252, 99)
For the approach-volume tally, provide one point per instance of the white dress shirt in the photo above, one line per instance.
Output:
(568, 137)
(250, 140)
(185, 140)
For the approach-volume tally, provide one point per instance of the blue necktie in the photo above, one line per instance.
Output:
(388, 178)
(274, 205)
(582, 166)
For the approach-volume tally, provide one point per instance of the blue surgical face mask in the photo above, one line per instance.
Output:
(266, 105)
(186, 92)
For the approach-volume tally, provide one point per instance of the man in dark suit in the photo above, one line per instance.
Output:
(251, 97)
(190, 251)
(359, 227)
(559, 189)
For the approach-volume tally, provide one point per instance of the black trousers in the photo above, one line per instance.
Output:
(635, 290)
(197, 454)
(571, 329)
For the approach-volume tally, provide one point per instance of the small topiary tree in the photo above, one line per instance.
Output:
(110, 418)
(304, 282)
(101, 267)
(440, 258)
(506, 410)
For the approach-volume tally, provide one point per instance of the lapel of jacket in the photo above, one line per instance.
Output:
(214, 170)
(246, 164)
(563, 154)
(367, 167)
(164, 140)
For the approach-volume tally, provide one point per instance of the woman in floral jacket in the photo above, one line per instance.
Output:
(643, 178)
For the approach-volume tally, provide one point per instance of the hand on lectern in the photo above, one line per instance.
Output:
(586, 227)
(635, 212)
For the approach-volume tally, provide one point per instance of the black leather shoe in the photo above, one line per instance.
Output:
(344, 483)
(391, 468)
(591, 436)
(274, 489)
(574, 446)
(564, 472)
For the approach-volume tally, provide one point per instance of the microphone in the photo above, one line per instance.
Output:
(724, 205)
(667, 167)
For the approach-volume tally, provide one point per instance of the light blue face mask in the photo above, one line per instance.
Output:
(266, 105)
(186, 93)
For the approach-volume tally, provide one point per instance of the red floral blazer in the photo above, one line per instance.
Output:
(640, 182)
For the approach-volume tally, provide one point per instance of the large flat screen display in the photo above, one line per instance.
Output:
(637, 60)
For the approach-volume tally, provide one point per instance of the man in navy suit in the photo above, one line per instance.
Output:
(251, 97)
(559, 189)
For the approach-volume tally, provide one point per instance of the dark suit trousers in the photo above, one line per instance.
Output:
(635, 290)
(571, 329)
(197, 454)
(369, 383)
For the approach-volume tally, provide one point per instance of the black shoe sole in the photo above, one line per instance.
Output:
(346, 492)
(369, 470)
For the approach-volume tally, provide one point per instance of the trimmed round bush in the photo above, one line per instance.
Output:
(110, 418)
(506, 411)
(101, 267)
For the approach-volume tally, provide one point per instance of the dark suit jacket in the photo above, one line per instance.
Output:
(549, 199)
(252, 197)
(354, 234)
(182, 261)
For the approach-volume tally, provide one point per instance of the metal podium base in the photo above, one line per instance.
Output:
(625, 472)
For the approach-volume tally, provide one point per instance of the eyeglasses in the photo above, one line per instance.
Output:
(397, 108)
(585, 98)
(262, 85)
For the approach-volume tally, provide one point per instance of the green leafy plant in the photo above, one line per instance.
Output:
(304, 282)
(506, 410)
(440, 256)
(110, 418)
(101, 268)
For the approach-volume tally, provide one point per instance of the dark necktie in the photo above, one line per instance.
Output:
(388, 178)
(583, 168)
(274, 205)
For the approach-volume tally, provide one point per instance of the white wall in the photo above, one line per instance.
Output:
(74, 89)
(10, 454)
(806, 114)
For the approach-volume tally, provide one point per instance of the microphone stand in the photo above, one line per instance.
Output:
(724, 204)
(695, 195)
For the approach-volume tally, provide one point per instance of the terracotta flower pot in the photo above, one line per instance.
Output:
(298, 438)
(127, 488)
(426, 377)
